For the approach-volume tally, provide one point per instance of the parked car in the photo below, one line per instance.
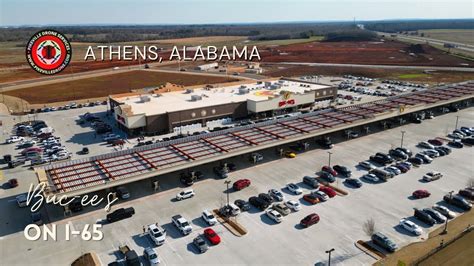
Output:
(398, 154)
(329, 170)
(311, 181)
(120, 214)
(385, 242)
(241, 184)
(21, 200)
(269, 199)
(444, 211)
(353, 182)
(421, 193)
(425, 145)
(277, 195)
(13, 182)
(328, 177)
(200, 244)
(467, 193)
(157, 234)
(310, 220)
(311, 198)
(438, 217)
(293, 205)
(14, 139)
(212, 236)
(371, 178)
(431, 153)
(410, 227)
(392, 169)
(274, 215)
(182, 224)
(256, 157)
(37, 218)
(423, 216)
(185, 194)
(424, 158)
(342, 170)
(415, 160)
(431, 176)
(367, 165)
(405, 150)
(458, 201)
(435, 142)
(281, 208)
(328, 191)
(295, 189)
(456, 144)
(242, 204)
(259, 203)
(208, 217)
(150, 255)
(123, 193)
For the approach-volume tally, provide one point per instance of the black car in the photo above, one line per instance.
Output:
(258, 203)
(265, 197)
(326, 143)
(405, 150)
(328, 177)
(415, 160)
(75, 205)
(385, 242)
(120, 214)
(424, 217)
(439, 218)
(230, 166)
(242, 204)
(342, 170)
(456, 144)
(467, 193)
(398, 154)
(353, 182)
(458, 201)
(187, 179)
(440, 151)
(469, 141)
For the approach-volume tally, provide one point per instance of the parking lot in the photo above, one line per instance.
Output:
(341, 222)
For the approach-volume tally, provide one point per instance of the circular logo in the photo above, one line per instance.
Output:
(48, 52)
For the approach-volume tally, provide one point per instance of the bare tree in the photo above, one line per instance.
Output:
(470, 182)
(369, 227)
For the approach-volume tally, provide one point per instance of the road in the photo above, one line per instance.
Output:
(462, 69)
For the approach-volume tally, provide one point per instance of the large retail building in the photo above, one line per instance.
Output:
(158, 113)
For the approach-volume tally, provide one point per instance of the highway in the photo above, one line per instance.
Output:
(462, 69)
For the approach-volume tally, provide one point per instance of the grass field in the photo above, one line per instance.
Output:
(453, 35)
(461, 252)
(284, 42)
(105, 85)
(413, 76)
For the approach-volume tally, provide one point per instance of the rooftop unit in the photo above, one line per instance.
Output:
(196, 98)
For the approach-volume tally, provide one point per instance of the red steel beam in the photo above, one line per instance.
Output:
(103, 168)
(245, 139)
(269, 132)
(336, 117)
(180, 151)
(145, 159)
(293, 127)
(314, 122)
(214, 145)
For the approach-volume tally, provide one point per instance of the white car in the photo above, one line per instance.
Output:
(425, 145)
(320, 195)
(274, 215)
(150, 255)
(157, 234)
(293, 205)
(431, 153)
(294, 188)
(411, 227)
(276, 194)
(371, 177)
(208, 217)
(444, 211)
(394, 170)
(367, 165)
(21, 200)
(185, 194)
(431, 176)
(14, 139)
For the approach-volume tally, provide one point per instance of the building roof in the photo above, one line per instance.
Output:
(155, 104)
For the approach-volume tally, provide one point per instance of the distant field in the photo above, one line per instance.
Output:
(110, 84)
(285, 42)
(453, 35)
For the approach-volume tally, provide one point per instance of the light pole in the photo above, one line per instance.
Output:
(445, 231)
(403, 134)
(329, 252)
(329, 159)
(227, 182)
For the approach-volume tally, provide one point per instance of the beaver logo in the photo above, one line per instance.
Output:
(48, 52)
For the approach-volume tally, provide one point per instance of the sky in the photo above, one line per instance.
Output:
(86, 12)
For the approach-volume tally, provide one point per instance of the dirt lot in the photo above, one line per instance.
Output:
(409, 75)
(455, 254)
(106, 85)
(383, 53)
